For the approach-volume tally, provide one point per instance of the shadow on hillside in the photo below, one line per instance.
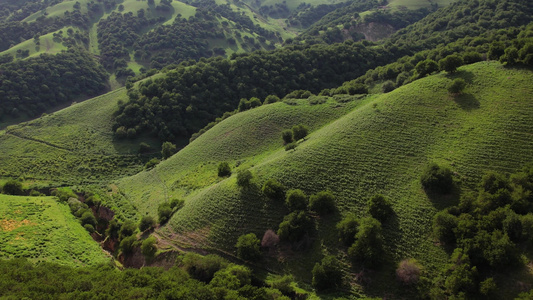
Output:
(466, 75)
(466, 101)
(441, 201)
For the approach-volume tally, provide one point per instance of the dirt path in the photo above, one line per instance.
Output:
(37, 141)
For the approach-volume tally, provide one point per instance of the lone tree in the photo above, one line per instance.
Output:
(437, 179)
(347, 228)
(286, 135)
(379, 207)
(368, 246)
(248, 247)
(13, 187)
(327, 274)
(244, 178)
(224, 169)
(273, 189)
(450, 63)
(164, 212)
(146, 222)
(323, 202)
(296, 200)
(148, 247)
(168, 149)
(299, 132)
(457, 86)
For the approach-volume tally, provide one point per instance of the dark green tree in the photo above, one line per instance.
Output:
(437, 179)
(164, 212)
(271, 99)
(13, 187)
(273, 189)
(450, 63)
(167, 150)
(444, 226)
(224, 169)
(127, 229)
(147, 222)
(347, 228)
(457, 86)
(296, 200)
(244, 178)
(287, 137)
(248, 247)
(295, 226)
(323, 202)
(327, 274)
(148, 247)
(368, 246)
(380, 207)
(299, 132)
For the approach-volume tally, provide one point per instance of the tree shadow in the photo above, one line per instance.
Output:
(466, 101)
(466, 75)
(442, 201)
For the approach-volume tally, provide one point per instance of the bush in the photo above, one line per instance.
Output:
(64, 194)
(488, 288)
(176, 204)
(380, 207)
(248, 247)
(444, 226)
(327, 274)
(167, 150)
(271, 99)
(127, 229)
(368, 246)
(347, 228)
(273, 189)
(147, 222)
(151, 163)
(244, 178)
(13, 187)
(388, 86)
(323, 202)
(457, 86)
(88, 218)
(295, 226)
(224, 169)
(290, 146)
(284, 284)
(148, 247)
(299, 132)
(89, 228)
(164, 212)
(296, 200)
(408, 271)
(437, 179)
(128, 244)
(202, 268)
(450, 63)
(286, 135)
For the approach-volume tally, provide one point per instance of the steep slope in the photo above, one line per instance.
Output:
(381, 146)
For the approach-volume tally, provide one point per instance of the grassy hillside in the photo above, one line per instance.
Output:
(40, 229)
(73, 145)
(381, 146)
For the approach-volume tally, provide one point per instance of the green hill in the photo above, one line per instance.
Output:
(381, 146)
(41, 229)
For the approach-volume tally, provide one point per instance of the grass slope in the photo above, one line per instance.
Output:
(47, 44)
(40, 229)
(381, 146)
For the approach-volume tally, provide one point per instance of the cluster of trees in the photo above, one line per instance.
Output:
(189, 97)
(307, 15)
(33, 85)
(12, 10)
(290, 136)
(194, 277)
(488, 230)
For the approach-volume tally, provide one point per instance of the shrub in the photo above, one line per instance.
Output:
(224, 169)
(89, 228)
(290, 146)
(127, 229)
(64, 194)
(437, 179)
(151, 163)
(388, 86)
(380, 207)
(147, 222)
(270, 239)
(457, 86)
(327, 274)
(233, 277)
(408, 271)
(244, 178)
(176, 204)
(368, 246)
(450, 63)
(271, 99)
(444, 226)
(13, 187)
(167, 150)
(273, 189)
(286, 135)
(299, 132)
(88, 218)
(488, 288)
(295, 226)
(296, 200)
(202, 268)
(284, 284)
(128, 244)
(164, 212)
(323, 202)
(148, 247)
(347, 228)
(248, 247)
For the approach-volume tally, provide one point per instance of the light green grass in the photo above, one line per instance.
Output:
(381, 146)
(185, 10)
(40, 229)
(415, 4)
(47, 44)
(59, 10)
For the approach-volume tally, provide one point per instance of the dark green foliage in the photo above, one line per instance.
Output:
(299, 132)
(127, 229)
(64, 194)
(248, 247)
(31, 86)
(283, 284)
(148, 247)
(327, 274)
(296, 200)
(168, 149)
(493, 182)
(273, 189)
(13, 187)
(323, 202)
(426, 67)
(127, 244)
(380, 208)
(147, 222)
(244, 178)
(347, 228)
(202, 268)
(437, 179)
(457, 86)
(224, 169)
(164, 212)
(450, 63)
(271, 99)
(460, 275)
(88, 218)
(488, 288)
(291, 146)
(144, 148)
(444, 225)
(151, 163)
(286, 135)
(388, 86)
(368, 246)
(295, 226)
(177, 204)
(248, 104)
(512, 226)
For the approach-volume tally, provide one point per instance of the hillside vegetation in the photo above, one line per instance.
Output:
(381, 146)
